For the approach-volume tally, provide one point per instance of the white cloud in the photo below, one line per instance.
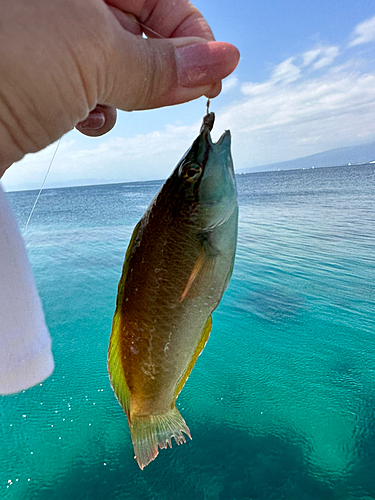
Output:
(290, 71)
(327, 56)
(256, 88)
(229, 83)
(310, 56)
(115, 159)
(364, 32)
(323, 56)
(305, 112)
(286, 72)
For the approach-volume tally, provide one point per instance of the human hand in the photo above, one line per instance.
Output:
(70, 62)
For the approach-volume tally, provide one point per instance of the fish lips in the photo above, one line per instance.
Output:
(218, 181)
(204, 150)
(224, 143)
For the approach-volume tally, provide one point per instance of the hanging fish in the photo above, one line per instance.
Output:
(177, 267)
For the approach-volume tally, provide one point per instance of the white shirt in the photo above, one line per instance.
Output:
(25, 344)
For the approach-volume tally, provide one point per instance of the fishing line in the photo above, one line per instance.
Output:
(152, 31)
(44, 181)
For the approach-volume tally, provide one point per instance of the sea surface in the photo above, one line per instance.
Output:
(281, 403)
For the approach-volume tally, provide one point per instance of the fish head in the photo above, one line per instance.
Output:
(207, 176)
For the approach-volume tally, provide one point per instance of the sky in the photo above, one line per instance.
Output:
(305, 84)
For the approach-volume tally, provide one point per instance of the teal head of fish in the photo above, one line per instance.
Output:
(204, 177)
(176, 269)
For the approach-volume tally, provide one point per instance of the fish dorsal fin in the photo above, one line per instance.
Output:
(202, 342)
(125, 266)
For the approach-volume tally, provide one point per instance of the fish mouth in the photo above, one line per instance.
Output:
(207, 126)
(225, 138)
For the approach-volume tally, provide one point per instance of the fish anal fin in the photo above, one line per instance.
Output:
(115, 367)
(202, 272)
(151, 432)
(202, 342)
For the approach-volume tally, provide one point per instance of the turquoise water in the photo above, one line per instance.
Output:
(281, 403)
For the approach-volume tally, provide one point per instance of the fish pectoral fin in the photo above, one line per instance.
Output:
(151, 432)
(202, 272)
(115, 368)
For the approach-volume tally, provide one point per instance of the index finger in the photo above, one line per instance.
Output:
(168, 18)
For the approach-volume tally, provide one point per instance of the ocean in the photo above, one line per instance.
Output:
(281, 403)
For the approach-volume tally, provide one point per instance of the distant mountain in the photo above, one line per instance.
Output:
(364, 153)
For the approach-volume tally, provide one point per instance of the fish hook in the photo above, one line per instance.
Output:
(208, 106)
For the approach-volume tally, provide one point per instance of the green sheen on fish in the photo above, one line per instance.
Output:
(177, 267)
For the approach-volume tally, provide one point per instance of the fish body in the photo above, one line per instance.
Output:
(177, 267)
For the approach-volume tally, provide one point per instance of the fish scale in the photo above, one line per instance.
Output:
(176, 269)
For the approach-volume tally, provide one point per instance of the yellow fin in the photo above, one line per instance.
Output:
(115, 369)
(151, 432)
(202, 342)
(114, 363)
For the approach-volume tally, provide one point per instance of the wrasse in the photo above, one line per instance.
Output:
(177, 267)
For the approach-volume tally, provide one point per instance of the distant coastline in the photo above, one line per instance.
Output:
(363, 154)
(349, 165)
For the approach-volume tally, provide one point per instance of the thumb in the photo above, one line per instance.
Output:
(151, 73)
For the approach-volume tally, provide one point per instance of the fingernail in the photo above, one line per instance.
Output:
(205, 63)
(94, 121)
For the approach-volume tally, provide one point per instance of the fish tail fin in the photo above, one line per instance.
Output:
(151, 432)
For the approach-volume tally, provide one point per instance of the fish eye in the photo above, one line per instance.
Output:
(191, 172)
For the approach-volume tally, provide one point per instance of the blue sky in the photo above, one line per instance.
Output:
(305, 84)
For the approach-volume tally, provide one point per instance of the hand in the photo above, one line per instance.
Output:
(71, 62)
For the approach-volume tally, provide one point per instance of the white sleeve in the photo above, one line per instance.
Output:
(25, 344)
